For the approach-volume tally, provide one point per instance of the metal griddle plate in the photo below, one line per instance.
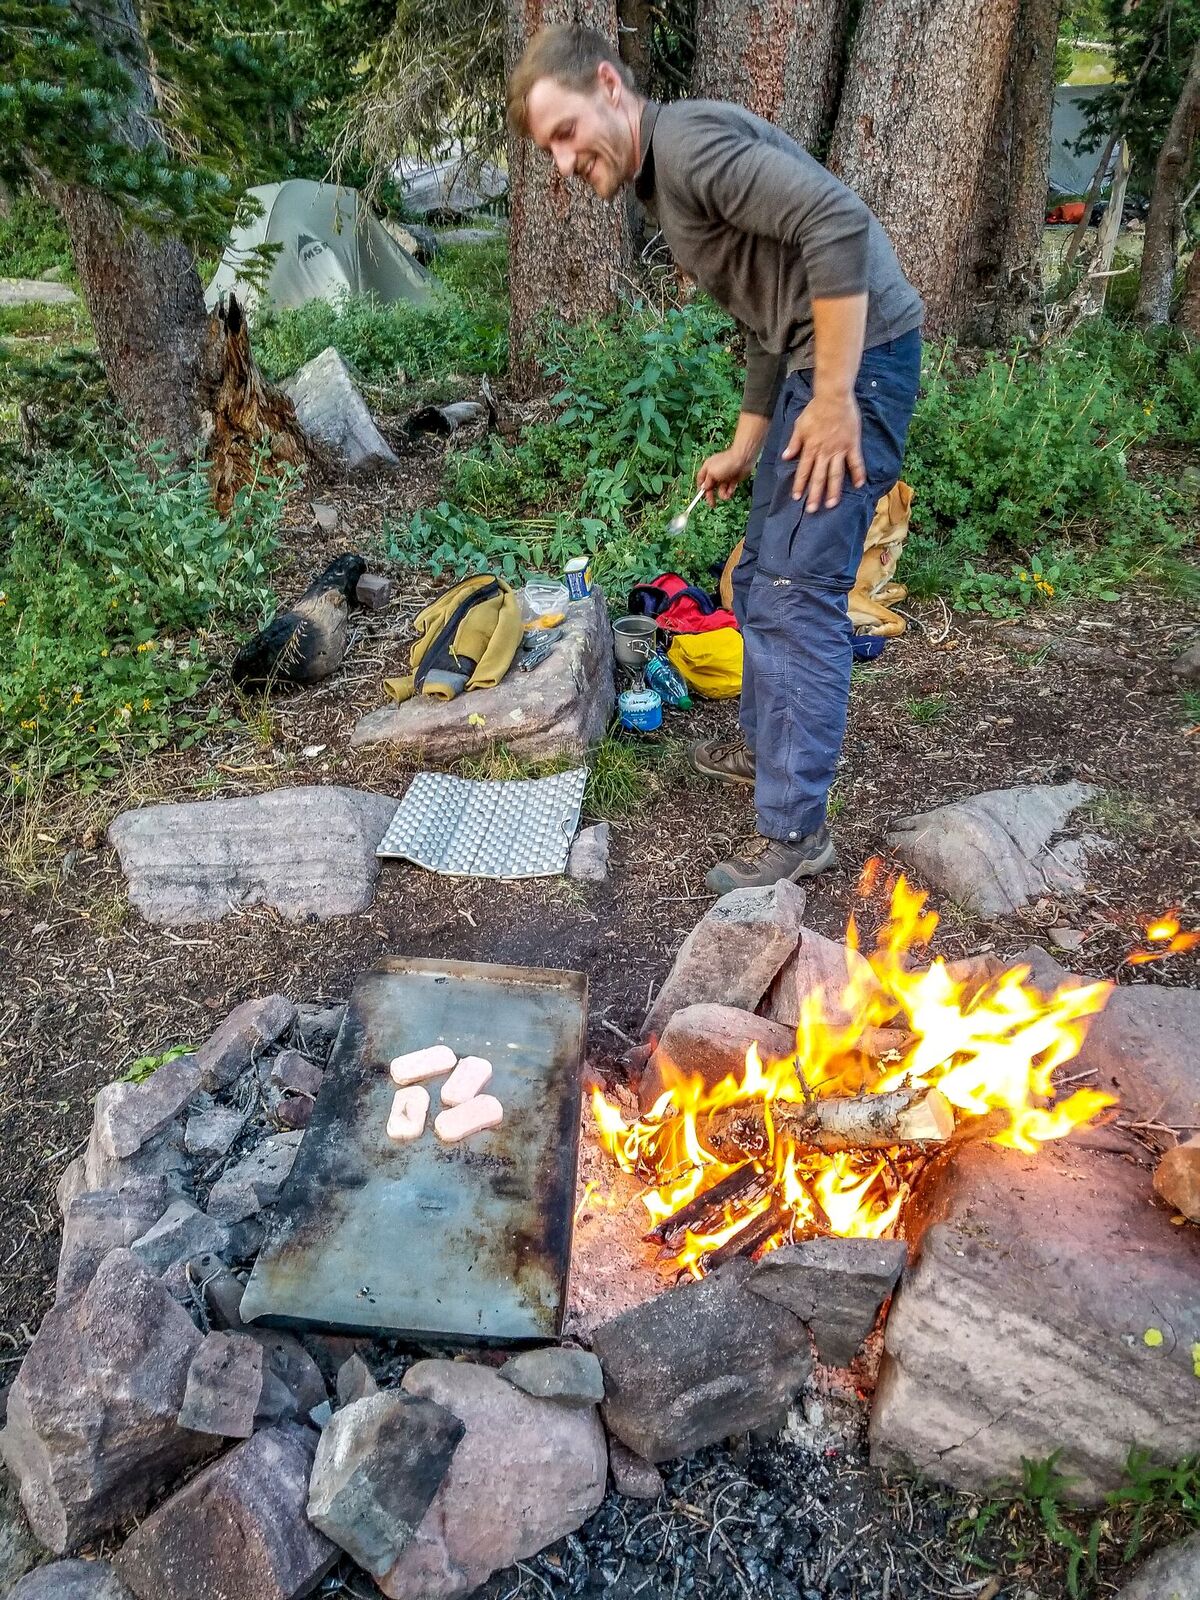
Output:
(470, 1240)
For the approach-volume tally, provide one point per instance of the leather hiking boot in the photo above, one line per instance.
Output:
(727, 760)
(761, 862)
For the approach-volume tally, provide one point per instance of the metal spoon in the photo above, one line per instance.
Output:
(679, 523)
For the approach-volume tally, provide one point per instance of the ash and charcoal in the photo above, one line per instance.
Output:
(767, 1520)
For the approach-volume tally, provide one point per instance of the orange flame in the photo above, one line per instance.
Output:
(1163, 938)
(990, 1048)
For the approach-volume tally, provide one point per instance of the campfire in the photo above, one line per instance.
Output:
(830, 1139)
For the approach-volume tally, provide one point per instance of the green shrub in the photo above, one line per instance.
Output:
(1021, 470)
(32, 240)
(454, 333)
(107, 575)
(640, 401)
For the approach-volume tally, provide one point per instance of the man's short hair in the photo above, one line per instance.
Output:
(569, 54)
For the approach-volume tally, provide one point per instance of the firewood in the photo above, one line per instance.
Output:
(748, 1239)
(733, 1186)
(1177, 1179)
(831, 1123)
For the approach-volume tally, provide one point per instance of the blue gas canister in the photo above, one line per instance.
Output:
(640, 710)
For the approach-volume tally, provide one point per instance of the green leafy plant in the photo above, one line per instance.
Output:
(145, 1066)
(1153, 1504)
(111, 577)
(1021, 471)
(640, 401)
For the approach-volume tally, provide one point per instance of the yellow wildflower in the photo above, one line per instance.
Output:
(29, 722)
(145, 705)
(77, 698)
(1023, 575)
(3, 598)
(104, 652)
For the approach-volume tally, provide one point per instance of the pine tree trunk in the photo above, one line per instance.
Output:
(143, 295)
(1187, 314)
(1164, 224)
(1020, 160)
(567, 250)
(921, 96)
(781, 59)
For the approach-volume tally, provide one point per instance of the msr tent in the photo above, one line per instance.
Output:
(1071, 173)
(332, 244)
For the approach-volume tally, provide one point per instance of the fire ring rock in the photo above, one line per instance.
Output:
(525, 1473)
(699, 1363)
(92, 1432)
(836, 1286)
(1022, 1328)
(378, 1466)
(71, 1580)
(237, 1531)
(732, 954)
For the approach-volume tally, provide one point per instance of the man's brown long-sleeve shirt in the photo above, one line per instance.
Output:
(765, 229)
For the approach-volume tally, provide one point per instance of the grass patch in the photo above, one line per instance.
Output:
(32, 239)
(621, 776)
(54, 324)
(1153, 1505)
(1090, 66)
(927, 708)
(1189, 705)
(1114, 812)
(464, 329)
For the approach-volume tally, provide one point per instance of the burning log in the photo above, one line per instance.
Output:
(748, 1239)
(858, 1122)
(745, 1185)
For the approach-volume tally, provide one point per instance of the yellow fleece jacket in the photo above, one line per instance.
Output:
(483, 643)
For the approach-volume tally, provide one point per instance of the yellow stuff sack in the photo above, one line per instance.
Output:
(709, 663)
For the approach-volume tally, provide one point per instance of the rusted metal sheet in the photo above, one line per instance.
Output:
(470, 1240)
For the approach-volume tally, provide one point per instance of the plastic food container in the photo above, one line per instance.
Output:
(541, 597)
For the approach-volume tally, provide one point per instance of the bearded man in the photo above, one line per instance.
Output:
(833, 359)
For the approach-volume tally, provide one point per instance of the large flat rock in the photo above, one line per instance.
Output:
(330, 408)
(307, 852)
(558, 709)
(1021, 1330)
(994, 852)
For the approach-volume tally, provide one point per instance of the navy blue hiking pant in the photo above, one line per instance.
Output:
(790, 588)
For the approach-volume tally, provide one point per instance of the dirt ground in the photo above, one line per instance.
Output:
(956, 706)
